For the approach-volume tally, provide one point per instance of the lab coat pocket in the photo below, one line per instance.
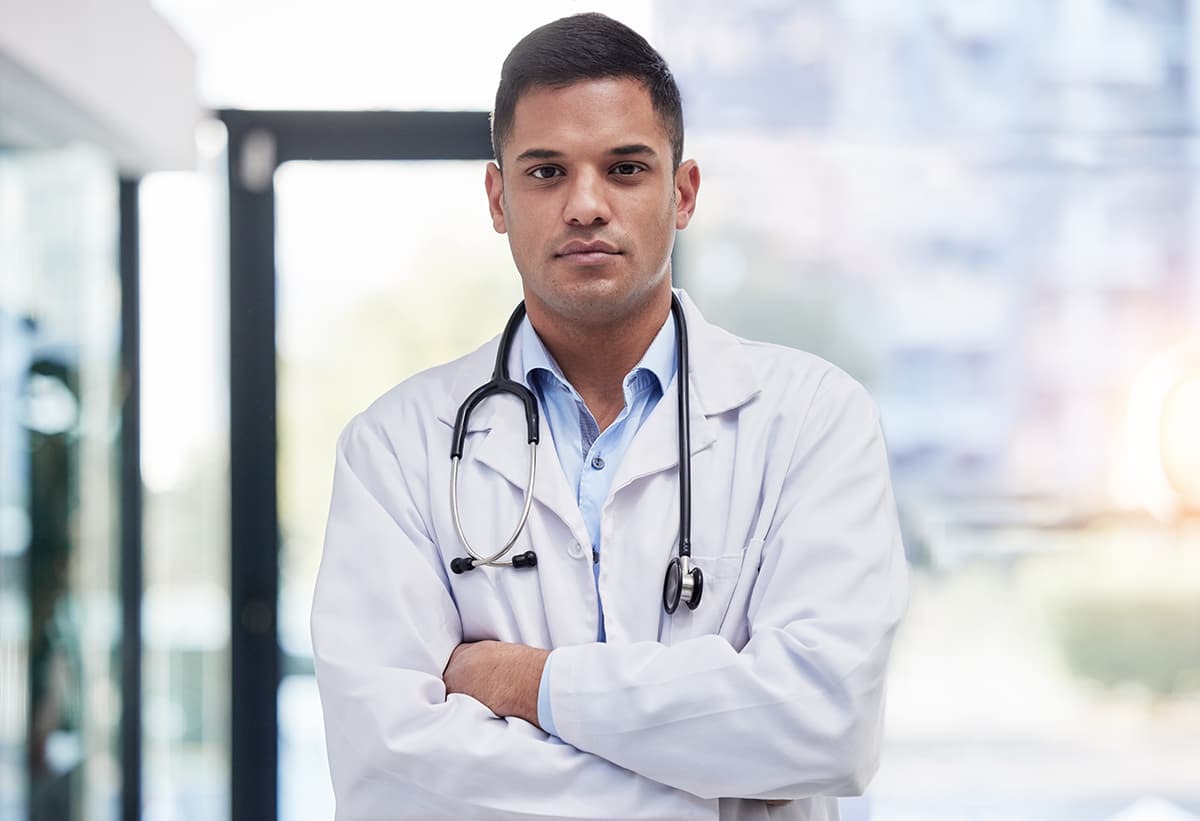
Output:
(728, 580)
(735, 626)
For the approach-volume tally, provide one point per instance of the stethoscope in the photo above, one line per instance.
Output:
(683, 581)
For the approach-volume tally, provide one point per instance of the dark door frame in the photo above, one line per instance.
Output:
(131, 501)
(258, 143)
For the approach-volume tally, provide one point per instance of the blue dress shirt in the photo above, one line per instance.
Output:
(589, 457)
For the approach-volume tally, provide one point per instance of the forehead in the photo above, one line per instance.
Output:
(586, 116)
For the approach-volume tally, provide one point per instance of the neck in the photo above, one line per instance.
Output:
(596, 357)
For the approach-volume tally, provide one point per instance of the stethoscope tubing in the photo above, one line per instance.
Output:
(682, 582)
(685, 429)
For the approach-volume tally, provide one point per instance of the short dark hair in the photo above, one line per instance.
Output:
(586, 47)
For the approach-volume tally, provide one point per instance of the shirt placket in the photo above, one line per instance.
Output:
(594, 481)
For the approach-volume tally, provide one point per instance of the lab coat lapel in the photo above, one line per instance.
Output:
(720, 380)
(656, 446)
(505, 451)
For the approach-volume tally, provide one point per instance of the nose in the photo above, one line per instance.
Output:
(587, 200)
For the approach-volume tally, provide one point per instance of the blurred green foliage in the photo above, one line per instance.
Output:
(1149, 640)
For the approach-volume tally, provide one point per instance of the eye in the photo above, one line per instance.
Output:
(627, 169)
(545, 172)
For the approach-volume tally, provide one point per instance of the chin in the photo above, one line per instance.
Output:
(598, 302)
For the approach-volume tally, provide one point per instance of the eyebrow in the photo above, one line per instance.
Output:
(633, 149)
(538, 154)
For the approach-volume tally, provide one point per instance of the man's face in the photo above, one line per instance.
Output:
(589, 200)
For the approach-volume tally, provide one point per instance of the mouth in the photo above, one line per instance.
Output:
(587, 253)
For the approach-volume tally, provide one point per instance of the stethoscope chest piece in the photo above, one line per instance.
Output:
(683, 582)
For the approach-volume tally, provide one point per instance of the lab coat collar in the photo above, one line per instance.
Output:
(721, 370)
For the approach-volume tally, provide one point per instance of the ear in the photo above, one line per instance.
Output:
(687, 184)
(493, 181)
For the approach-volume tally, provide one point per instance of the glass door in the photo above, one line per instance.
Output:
(361, 252)
(384, 269)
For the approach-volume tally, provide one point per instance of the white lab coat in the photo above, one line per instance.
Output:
(772, 688)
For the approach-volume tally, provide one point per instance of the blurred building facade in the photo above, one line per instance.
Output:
(984, 211)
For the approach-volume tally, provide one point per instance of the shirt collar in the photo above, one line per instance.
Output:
(658, 360)
(725, 373)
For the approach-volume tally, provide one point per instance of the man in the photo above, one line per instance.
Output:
(566, 690)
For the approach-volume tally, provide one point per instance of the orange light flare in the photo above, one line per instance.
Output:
(1160, 471)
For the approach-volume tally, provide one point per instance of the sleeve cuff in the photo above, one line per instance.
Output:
(544, 714)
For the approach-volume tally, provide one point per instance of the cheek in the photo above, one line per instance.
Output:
(662, 219)
(519, 236)
(524, 242)
(524, 218)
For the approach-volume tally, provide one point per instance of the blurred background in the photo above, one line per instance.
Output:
(225, 227)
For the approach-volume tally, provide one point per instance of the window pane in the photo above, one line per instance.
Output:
(60, 618)
(185, 469)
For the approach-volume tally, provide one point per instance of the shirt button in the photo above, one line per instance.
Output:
(598, 463)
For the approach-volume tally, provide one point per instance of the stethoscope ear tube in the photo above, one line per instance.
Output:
(499, 383)
(526, 559)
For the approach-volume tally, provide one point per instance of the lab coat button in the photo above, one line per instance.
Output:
(575, 550)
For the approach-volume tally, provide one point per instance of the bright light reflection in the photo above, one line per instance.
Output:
(1162, 457)
(1180, 439)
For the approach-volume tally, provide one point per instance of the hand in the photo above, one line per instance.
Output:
(503, 677)
(777, 802)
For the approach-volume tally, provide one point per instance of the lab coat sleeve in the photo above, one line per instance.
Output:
(799, 711)
(383, 626)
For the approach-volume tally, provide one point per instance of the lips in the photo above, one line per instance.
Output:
(587, 250)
